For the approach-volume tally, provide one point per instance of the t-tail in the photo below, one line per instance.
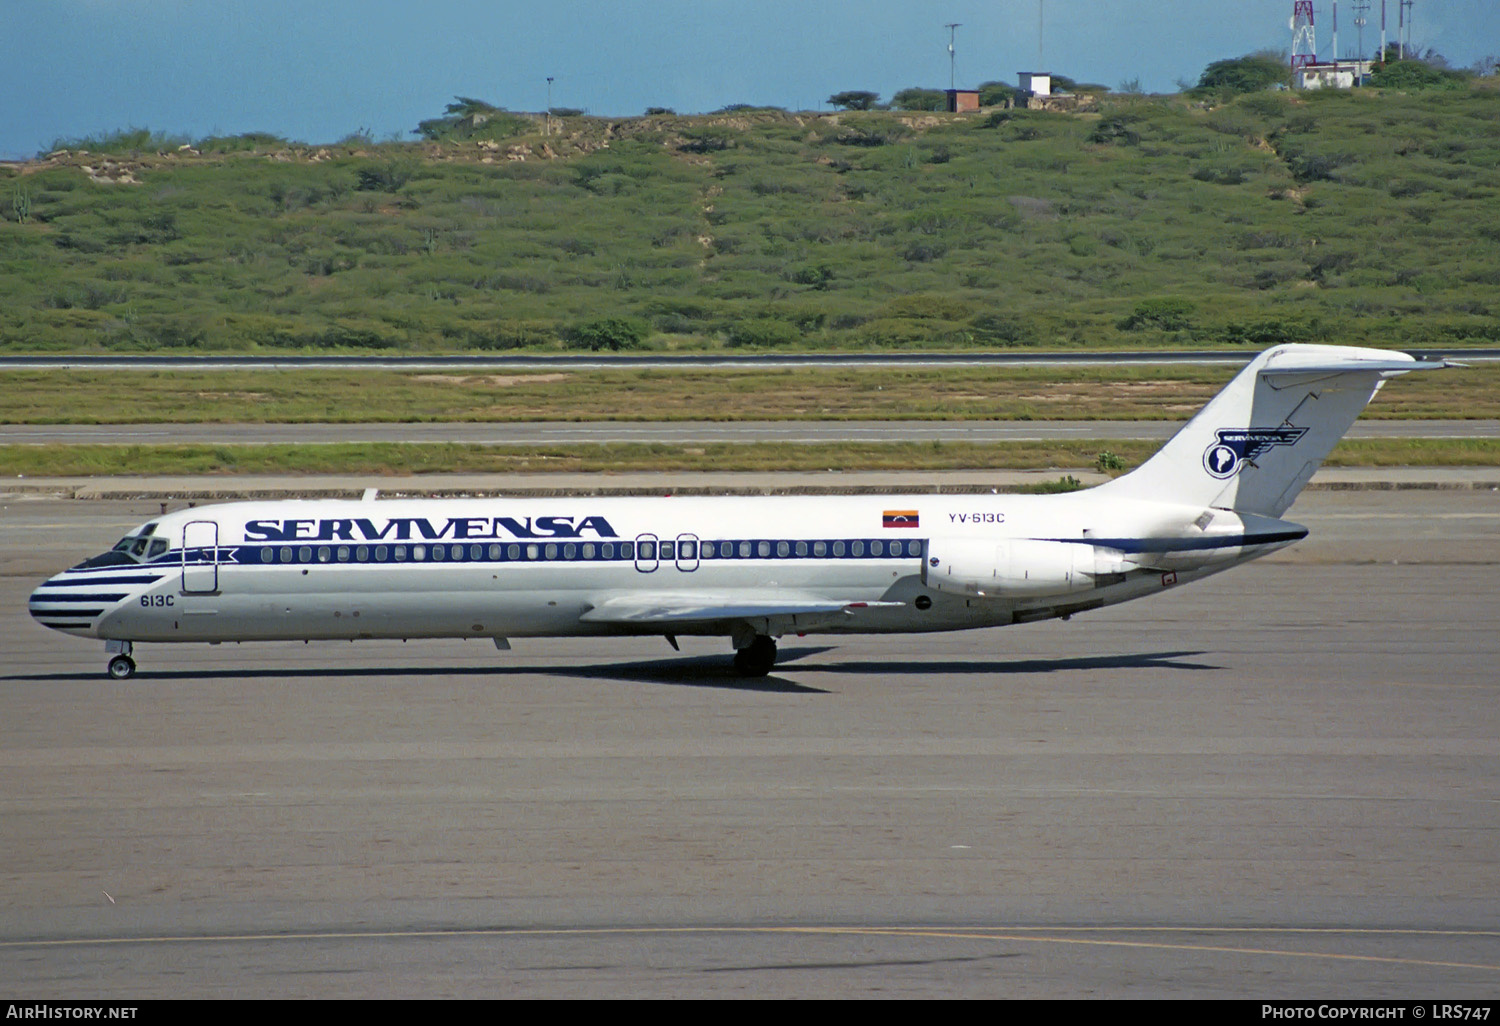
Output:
(1258, 442)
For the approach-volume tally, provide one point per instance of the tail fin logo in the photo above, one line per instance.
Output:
(1233, 446)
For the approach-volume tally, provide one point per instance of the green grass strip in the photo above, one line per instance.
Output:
(403, 459)
(718, 394)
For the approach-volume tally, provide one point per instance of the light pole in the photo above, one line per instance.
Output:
(1359, 22)
(549, 105)
(952, 68)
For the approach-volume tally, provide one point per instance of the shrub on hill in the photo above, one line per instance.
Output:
(468, 118)
(994, 93)
(1415, 74)
(763, 331)
(1249, 74)
(920, 99)
(854, 99)
(613, 333)
(1165, 314)
(124, 141)
(245, 142)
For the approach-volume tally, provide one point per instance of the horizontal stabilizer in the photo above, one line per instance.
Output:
(1385, 368)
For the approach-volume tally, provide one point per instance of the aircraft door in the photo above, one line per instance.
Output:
(647, 559)
(687, 552)
(200, 557)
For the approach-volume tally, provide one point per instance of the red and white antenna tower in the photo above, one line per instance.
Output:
(1304, 45)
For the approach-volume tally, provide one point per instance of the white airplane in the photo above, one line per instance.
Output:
(751, 569)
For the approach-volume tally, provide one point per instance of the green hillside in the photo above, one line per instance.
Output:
(1367, 217)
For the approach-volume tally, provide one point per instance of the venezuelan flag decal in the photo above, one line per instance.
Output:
(899, 518)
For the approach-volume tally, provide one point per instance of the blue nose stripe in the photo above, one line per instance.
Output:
(75, 604)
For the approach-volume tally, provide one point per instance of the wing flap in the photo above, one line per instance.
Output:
(678, 608)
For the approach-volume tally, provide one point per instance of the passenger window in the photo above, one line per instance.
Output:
(551, 551)
(668, 550)
(380, 553)
(400, 553)
(266, 555)
(763, 549)
(820, 549)
(648, 550)
(801, 548)
(286, 554)
(783, 549)
(419, 552)
(608, 550)
(324, 553)
(343, 553)
(857, 548)
(838, 548)
(689, 550)
(627, 550)
(570, 551)
(362, 554)
(437, 552)
(588, 550)
(305, 554)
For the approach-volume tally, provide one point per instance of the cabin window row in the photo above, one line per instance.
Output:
(528, 552)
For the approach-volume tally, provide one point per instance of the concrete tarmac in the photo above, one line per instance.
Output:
(1279, 783)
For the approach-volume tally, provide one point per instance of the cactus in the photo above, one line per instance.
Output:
(20, 204)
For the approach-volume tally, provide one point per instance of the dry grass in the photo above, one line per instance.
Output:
(392, 459)
(968, 393)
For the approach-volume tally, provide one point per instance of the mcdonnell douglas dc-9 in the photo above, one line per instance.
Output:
(749, 569)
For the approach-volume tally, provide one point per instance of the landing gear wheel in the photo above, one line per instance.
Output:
(121, 667)
(756, 658)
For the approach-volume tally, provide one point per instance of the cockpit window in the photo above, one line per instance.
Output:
(133, 548)
(114, 557)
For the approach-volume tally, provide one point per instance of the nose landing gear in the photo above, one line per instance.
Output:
(121, 666)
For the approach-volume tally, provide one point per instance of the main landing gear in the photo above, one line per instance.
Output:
(756, 658)
(121, 666)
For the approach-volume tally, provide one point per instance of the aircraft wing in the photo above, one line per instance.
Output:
(680, 608)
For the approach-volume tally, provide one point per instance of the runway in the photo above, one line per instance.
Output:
(1280, 783)
(669, 432)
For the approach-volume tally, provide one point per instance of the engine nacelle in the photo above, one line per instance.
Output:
(1014, 567)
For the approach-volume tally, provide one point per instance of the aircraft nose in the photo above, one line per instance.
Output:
(68, 606)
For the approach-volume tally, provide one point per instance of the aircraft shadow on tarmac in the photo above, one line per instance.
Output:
(1121, 661)
(692, 671)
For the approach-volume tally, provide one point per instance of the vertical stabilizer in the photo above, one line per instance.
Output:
(1259, 441)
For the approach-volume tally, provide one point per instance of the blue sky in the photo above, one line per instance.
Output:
(317, 70)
